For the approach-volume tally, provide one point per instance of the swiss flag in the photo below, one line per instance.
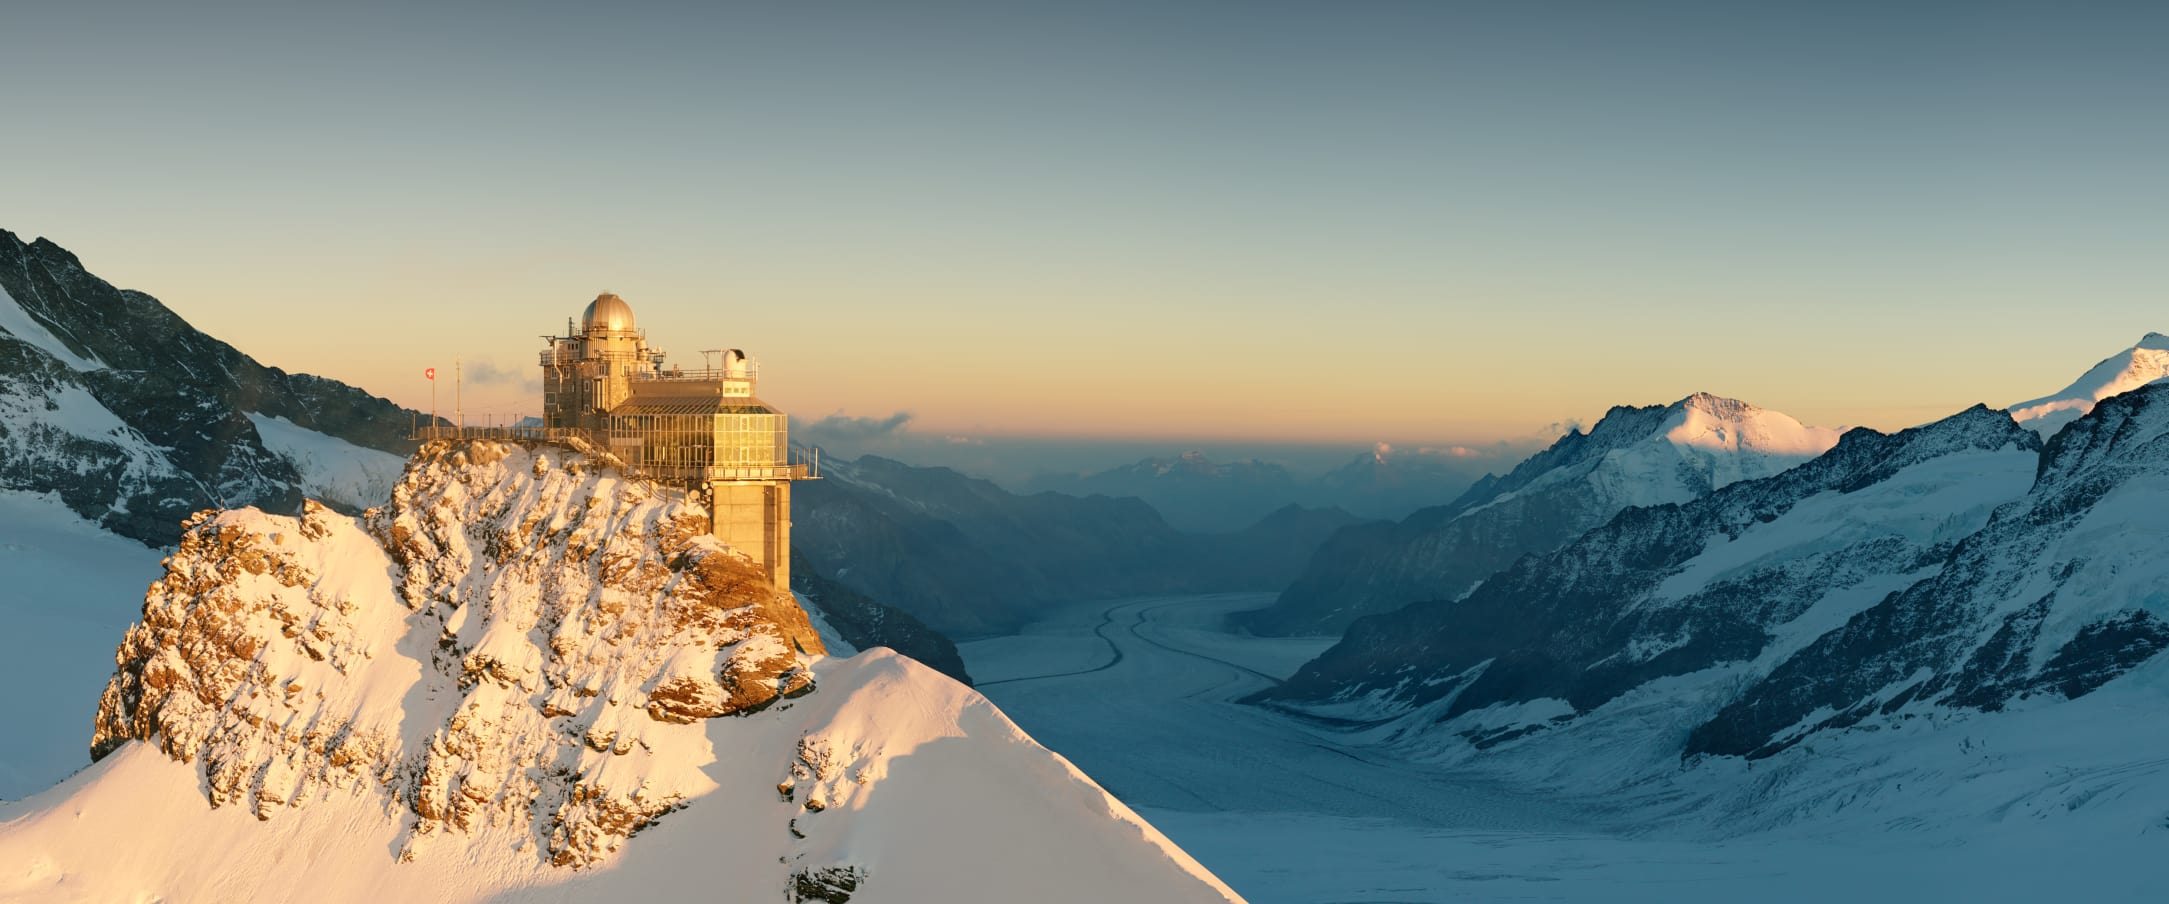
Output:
(429, 374)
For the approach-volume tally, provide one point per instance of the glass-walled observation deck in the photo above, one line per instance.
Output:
(712, 438)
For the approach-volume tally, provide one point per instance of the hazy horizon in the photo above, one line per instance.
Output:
(1263, 224)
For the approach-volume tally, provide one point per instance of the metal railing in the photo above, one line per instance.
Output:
(705, 375)
(794, 471)
(791, 470)
(429, 433)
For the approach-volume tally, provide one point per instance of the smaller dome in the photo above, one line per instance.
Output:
(607, 312)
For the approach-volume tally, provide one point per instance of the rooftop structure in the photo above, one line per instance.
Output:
(703, 428)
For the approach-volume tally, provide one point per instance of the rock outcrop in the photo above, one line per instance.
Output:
(485, 688)
(574, 625)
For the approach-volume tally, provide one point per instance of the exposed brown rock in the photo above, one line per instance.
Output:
(568, 613)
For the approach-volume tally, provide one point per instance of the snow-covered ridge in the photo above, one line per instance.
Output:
(2139, 365)
(482, 689)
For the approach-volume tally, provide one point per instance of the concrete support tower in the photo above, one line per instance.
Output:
(701, 429)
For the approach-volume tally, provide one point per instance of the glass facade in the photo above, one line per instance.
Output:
(700, 429)
(688, 439)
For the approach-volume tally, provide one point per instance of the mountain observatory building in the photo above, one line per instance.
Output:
(701, 429)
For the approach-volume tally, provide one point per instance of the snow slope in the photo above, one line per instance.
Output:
(332, 469)
(485, 688)
(67, 590)
(933, 793)
(2144, 363)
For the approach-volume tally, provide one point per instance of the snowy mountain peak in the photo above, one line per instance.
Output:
(1698, 444)
(1633, 456)
(1715, 405)
(2143, 363)
(1711, 422)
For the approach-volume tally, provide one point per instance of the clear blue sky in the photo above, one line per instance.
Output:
(1344, 222)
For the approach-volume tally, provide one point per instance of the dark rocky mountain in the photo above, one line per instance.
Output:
(970, 558)
(136, 419)
(1957, 566)
(1633, 456)
(1652, 594)
(865, 623)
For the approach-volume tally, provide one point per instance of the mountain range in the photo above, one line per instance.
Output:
(477, 673)
(1631, 457)
(1841, 620)
(1197, 493)
(970, 558)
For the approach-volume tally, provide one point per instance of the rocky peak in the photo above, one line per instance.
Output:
(518, 644)
(2121, 426)
(1715, 406)
(1620, 426)
(134, 418)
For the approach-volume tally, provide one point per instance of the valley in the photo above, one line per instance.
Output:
(1140, 693)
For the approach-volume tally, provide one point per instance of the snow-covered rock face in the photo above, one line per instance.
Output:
(522, 640)
(2059, 593)
(482, 689)
(1748, 572)
(2144, 363)
(1954, 573)
(134, 419)
(1632, 457)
